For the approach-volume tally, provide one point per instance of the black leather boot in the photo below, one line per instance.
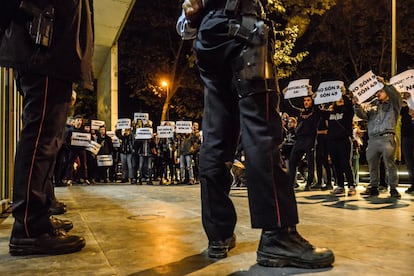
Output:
(286, 247)
(61, 224)
(53, 242)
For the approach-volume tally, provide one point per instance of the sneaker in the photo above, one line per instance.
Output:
(338, 191)
(55, 243)
(370, 191)
(286, 247)
(410, 190)
(395, 194)
(219, 249)
(351, 191)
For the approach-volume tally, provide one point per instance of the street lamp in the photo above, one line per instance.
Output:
(165, 84)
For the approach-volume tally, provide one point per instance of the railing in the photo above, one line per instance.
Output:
(10, 125)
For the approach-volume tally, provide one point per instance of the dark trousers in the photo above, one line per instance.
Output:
(322, 160)
(303, 145)
(45, 105)
(271, 199)
(341, 151)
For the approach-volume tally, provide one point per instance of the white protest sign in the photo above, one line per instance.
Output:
(104, 160)
(365, 86)
(80, 139)
(329, 91)
(95, 124)
(144, 117)
(297, 88)
(123, 123)
(165, 131)
(93, 147)
(115, 140)
(183, 127)
(143, 133)
(404, 82)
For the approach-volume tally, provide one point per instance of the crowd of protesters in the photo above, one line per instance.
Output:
(172, 160)
(327, 140)
(322, 146)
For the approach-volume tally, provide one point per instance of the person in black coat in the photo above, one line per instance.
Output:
(339, 138)
(46, 62)
(107, 148)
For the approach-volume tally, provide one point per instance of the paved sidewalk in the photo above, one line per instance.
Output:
(156, 230)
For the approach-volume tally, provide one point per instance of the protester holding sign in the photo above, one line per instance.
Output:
(339, 117)
(167, 147)
(382, 115)
(145, 146)
(106, 149)
(306, 131)
(77, 151)
(126, 149)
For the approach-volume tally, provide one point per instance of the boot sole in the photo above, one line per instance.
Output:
(23, 250)
(271, 260)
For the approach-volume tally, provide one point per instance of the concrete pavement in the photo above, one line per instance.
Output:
(156, 230)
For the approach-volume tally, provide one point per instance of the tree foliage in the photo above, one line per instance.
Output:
(292, 20)
(152, 51)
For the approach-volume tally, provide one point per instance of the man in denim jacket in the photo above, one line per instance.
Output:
(382, 117)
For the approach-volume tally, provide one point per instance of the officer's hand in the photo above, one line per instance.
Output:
(192, 8)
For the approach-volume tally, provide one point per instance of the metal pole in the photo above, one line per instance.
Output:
(168, 102)
(394, 39)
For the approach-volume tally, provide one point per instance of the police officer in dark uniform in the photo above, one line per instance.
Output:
(49, 45)
(240, 97)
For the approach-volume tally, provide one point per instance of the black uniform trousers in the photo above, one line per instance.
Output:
(45, 106)
(271, 199)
